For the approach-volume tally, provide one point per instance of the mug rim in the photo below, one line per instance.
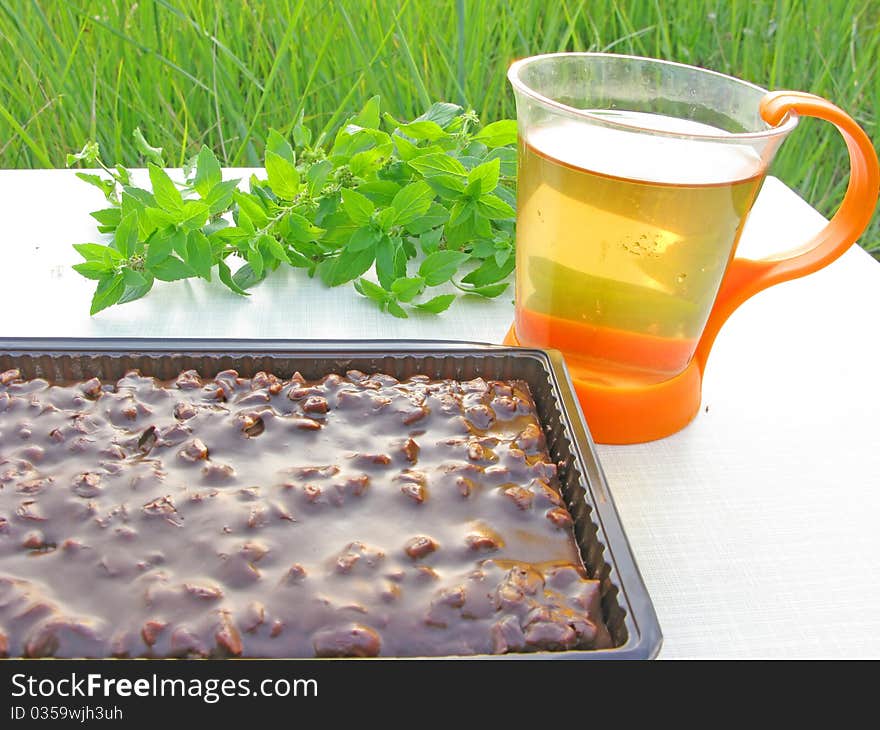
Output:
(788, 123)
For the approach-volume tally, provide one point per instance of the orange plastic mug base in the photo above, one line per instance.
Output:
(634, 415)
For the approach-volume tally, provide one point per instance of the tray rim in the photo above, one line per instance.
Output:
(640, 610)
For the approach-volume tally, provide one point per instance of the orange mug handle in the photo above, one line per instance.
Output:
(747, 277)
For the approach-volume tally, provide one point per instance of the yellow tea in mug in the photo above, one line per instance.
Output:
(623, 239)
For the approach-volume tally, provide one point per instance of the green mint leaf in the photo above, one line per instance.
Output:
(408, 288)
(467, 233)
(498, 134)
(367, 138)
(483, 249)
(96, 252)
(494, 208)
(108, 218)
(386, 219)
(193, 215)
(390, 121)
(469, 162)
(260, 191)
(438, 163)
(346, 267)
(255, 259)
(254, 212)
(327, 206)
(244, 220)
(359, 207)
(145, 223)
(475, 150)
(95, 270)
(363, 238)
(487, 292)
(112, 259)
(385, 255)
(381, 192)
(364, 163)
(158, 218)
(371, 290)
(160, 247)
(507, 156)
(317, 176)
(449, 187)
(225, 274)
(199, 255)
(133, 278)
(345, 145)
(105, 185)
(144, 197)
(273, 246)
(171, 268)
(437, 304)
(461, 212)
(178, 241)
(473, 190)
(402, 252)
(441, 113)
(223, 235)
(338, 230)
(208, 173)
(502, 256)
(133, 291)
(423, 130)
(406, 150)
(395, 309)
(153, 155)
(486, 175)
(490, 272)
(219, 198)
(302, 135)
(430, 240)
(436, 215)
(126, 236)
(441, 266)
(295, 258)
(276, 144)
(246, 277)
(167, 195)
(270, 260)
(428, 149)
(368, 116)
(108, 293)
(507, 195)
(299, 228)
(399, 268)
(138, 200)
(163, 244)
(283, 176)
(412, 202)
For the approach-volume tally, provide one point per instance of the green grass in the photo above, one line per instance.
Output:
(221, 73)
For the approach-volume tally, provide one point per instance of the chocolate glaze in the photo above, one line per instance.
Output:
(352, 516)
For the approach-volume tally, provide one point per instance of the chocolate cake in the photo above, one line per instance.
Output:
(357, 515)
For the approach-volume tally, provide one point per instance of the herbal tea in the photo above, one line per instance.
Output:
(623, 239)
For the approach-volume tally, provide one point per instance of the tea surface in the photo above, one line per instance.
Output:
(623, 239)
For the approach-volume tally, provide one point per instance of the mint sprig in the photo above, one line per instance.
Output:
(396, 208)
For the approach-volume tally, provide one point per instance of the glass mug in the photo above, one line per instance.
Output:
(635, 177)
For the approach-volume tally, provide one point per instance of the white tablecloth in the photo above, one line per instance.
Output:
(757, 528)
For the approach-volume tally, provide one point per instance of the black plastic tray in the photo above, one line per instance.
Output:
(605, 550)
